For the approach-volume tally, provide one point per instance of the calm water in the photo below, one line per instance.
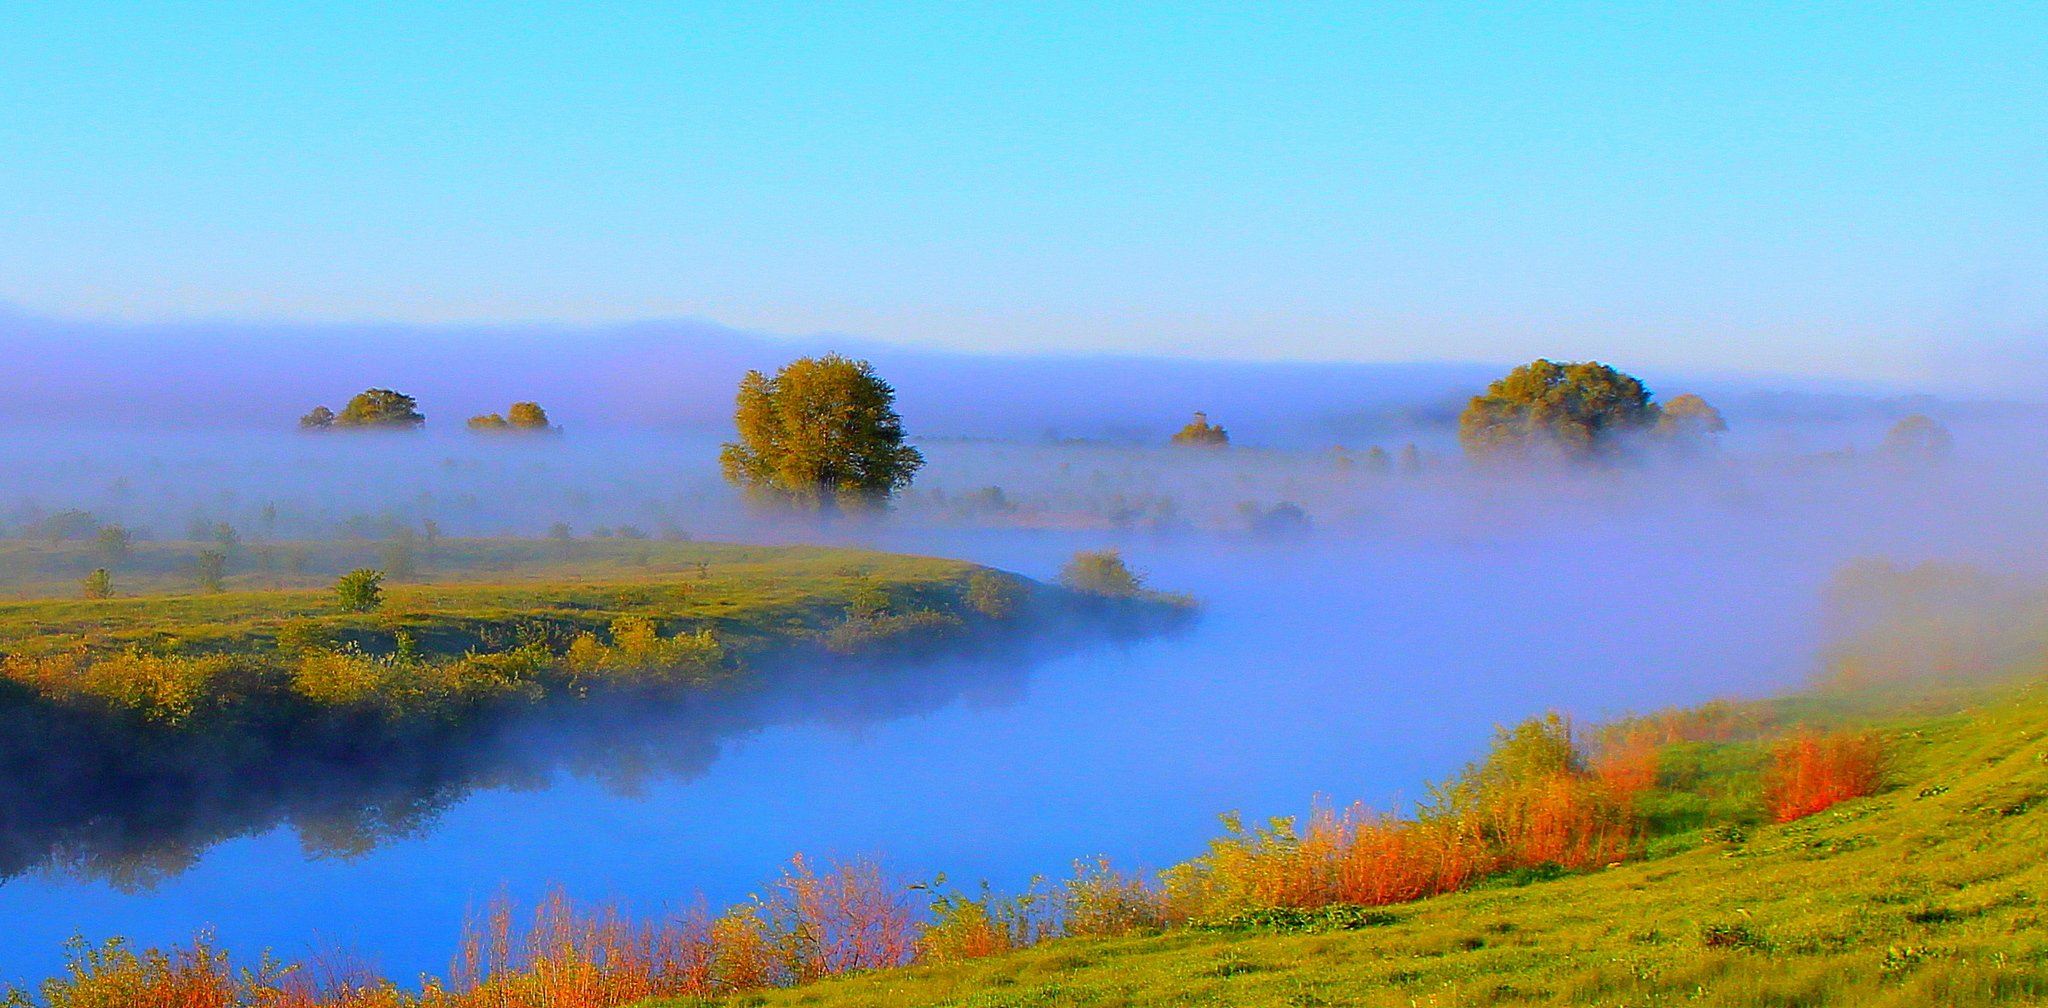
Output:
(1350, 669)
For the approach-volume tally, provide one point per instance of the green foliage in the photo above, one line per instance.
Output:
(1688, 418)
(528, 416)
(993, 595)
(822, 434)
(1544, 409)
(639, 655)
(211, 570)
(380, 409)
(1297, 920)
(1201, 433)
(319, 418)
(360, 590)
(99, 584)
(300, 635)
(522, 418)
(1102, 901)
(1101, 572)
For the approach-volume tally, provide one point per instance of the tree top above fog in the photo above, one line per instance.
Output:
(1575, 411)
(1201, 432)
(1918, 437)
(522, 418)
(822, 435)
(371, 409)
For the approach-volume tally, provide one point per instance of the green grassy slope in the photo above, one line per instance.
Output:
(465, 593)
(1923, 895)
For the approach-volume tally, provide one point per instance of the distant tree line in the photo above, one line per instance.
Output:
(390, 410)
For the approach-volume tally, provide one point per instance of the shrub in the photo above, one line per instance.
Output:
(967, 928)
(1809, 772)
(212, 568)
(880, 633)
(639, 655)
(1101, 572)
(99, 584)
(1100, 900)
(360, 590)
(345, 677)
(993, 595)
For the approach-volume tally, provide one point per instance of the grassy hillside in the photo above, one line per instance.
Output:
(1924, 894)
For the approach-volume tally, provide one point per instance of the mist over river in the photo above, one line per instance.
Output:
(1356, 660)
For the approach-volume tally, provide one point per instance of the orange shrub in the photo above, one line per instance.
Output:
(1810, 772)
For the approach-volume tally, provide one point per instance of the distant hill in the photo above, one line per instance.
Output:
(681, 373)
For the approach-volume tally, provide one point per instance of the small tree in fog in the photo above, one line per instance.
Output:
(360, 590)
(821, 435)
(99, 584)
(213, 570)
(381, 409)
(1101, 572)
(1201, 433)
(528, 417)
(1690, 417)
(1574, 411)
(113, 543)
(319, 419)
(522, 418)
(1918, 438)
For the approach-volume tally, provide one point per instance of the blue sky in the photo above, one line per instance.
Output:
(1838, 189)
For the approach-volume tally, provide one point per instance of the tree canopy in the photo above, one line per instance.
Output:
(527, 416)
(522, 418)
(372, 409)
(1577, 411)
(1689, 416)
(1201, 432)
(822, 434)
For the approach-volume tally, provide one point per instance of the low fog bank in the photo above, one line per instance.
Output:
(680, 375)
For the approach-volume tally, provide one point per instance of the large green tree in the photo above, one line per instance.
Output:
(822, 434)
(1547, 409)
(381, 409)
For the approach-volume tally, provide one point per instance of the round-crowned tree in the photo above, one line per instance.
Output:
(821, 435)
(1545, 409)
(381, 409)
(528, 416)
(1689, 415)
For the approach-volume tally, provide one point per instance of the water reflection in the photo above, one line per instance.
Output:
(131, 808)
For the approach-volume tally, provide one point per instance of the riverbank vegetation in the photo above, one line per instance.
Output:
(1645, 860)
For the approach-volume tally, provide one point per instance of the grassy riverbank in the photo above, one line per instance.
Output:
(1926, 893)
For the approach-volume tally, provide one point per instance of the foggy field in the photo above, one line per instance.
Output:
(1353, 649)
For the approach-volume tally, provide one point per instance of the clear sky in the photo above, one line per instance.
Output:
(1845, 189)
